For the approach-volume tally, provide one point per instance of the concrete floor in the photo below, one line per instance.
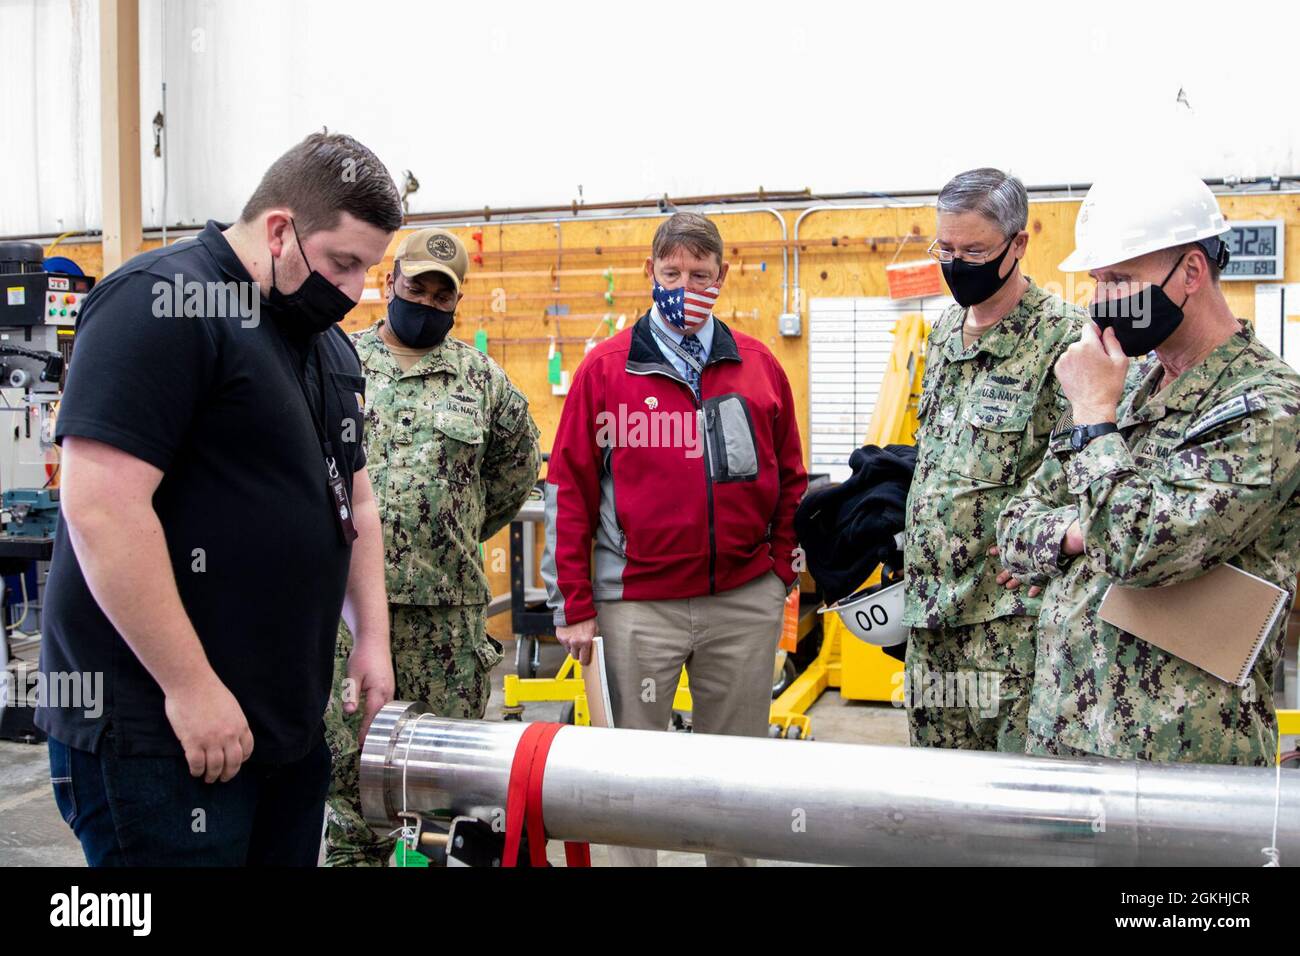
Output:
(33, 834)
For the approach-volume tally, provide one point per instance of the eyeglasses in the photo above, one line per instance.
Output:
(975, 258)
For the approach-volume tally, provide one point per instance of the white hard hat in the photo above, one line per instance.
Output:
(873, 614)
(1128, 216)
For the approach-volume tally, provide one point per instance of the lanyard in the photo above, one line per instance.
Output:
(677, 350)
(317, 409)
(339, 502)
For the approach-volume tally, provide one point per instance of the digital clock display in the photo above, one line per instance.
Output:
(1256, 240)
(1251, 269)
(1256, 249)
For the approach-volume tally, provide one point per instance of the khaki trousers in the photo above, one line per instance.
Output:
(727, 642)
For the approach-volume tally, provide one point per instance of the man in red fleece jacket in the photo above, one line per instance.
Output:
(670, 501)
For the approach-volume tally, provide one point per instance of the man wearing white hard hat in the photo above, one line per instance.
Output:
(1164, 471)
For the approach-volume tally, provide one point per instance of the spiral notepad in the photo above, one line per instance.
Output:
(1217, 622)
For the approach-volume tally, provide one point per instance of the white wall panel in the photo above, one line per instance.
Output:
(514, 103)
(849, 342)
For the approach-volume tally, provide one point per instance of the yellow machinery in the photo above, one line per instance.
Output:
(1288, 725)
(567, 685)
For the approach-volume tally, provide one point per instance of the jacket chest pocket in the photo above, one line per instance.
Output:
(936, 409)
(729, 427)
(935, 420)
(441, 444)
(989, 443)
(350, 392)
(458, 443)
(924, 411)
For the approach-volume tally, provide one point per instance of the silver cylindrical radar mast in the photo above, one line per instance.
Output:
(834, 803)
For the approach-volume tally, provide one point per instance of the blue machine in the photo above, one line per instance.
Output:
(34, 512)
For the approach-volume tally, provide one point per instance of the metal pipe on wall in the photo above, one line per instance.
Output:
(798, 304)
(834, 803)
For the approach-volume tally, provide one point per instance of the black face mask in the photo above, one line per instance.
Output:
(1140, 326)
(972, 284)
(417, 325)
(317, 303)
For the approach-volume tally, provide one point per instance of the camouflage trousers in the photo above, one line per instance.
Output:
(1036, 745)
(442, 658)
(967, 687)
(1182, 749)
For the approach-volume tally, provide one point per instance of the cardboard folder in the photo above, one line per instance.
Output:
(596, 680)
(1217, 622)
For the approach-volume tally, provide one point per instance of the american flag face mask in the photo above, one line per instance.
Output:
(685, 308)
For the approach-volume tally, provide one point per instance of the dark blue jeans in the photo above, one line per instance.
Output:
(149, 811)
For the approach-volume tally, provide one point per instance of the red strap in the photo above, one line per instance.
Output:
(577, 854)
(533, 802)
(517, 794)
(524, 800)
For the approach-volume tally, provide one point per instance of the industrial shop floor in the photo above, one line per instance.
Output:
(33, 834)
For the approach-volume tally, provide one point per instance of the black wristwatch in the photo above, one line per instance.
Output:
(1080, 435)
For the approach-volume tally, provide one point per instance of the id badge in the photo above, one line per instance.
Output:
(339, 501)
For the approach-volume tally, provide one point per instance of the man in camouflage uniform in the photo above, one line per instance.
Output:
(453, 453)
(988, 403)
(1192, 462)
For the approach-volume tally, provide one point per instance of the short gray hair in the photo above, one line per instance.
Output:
(999, 198)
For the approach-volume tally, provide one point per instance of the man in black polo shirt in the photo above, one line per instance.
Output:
(217, 518)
